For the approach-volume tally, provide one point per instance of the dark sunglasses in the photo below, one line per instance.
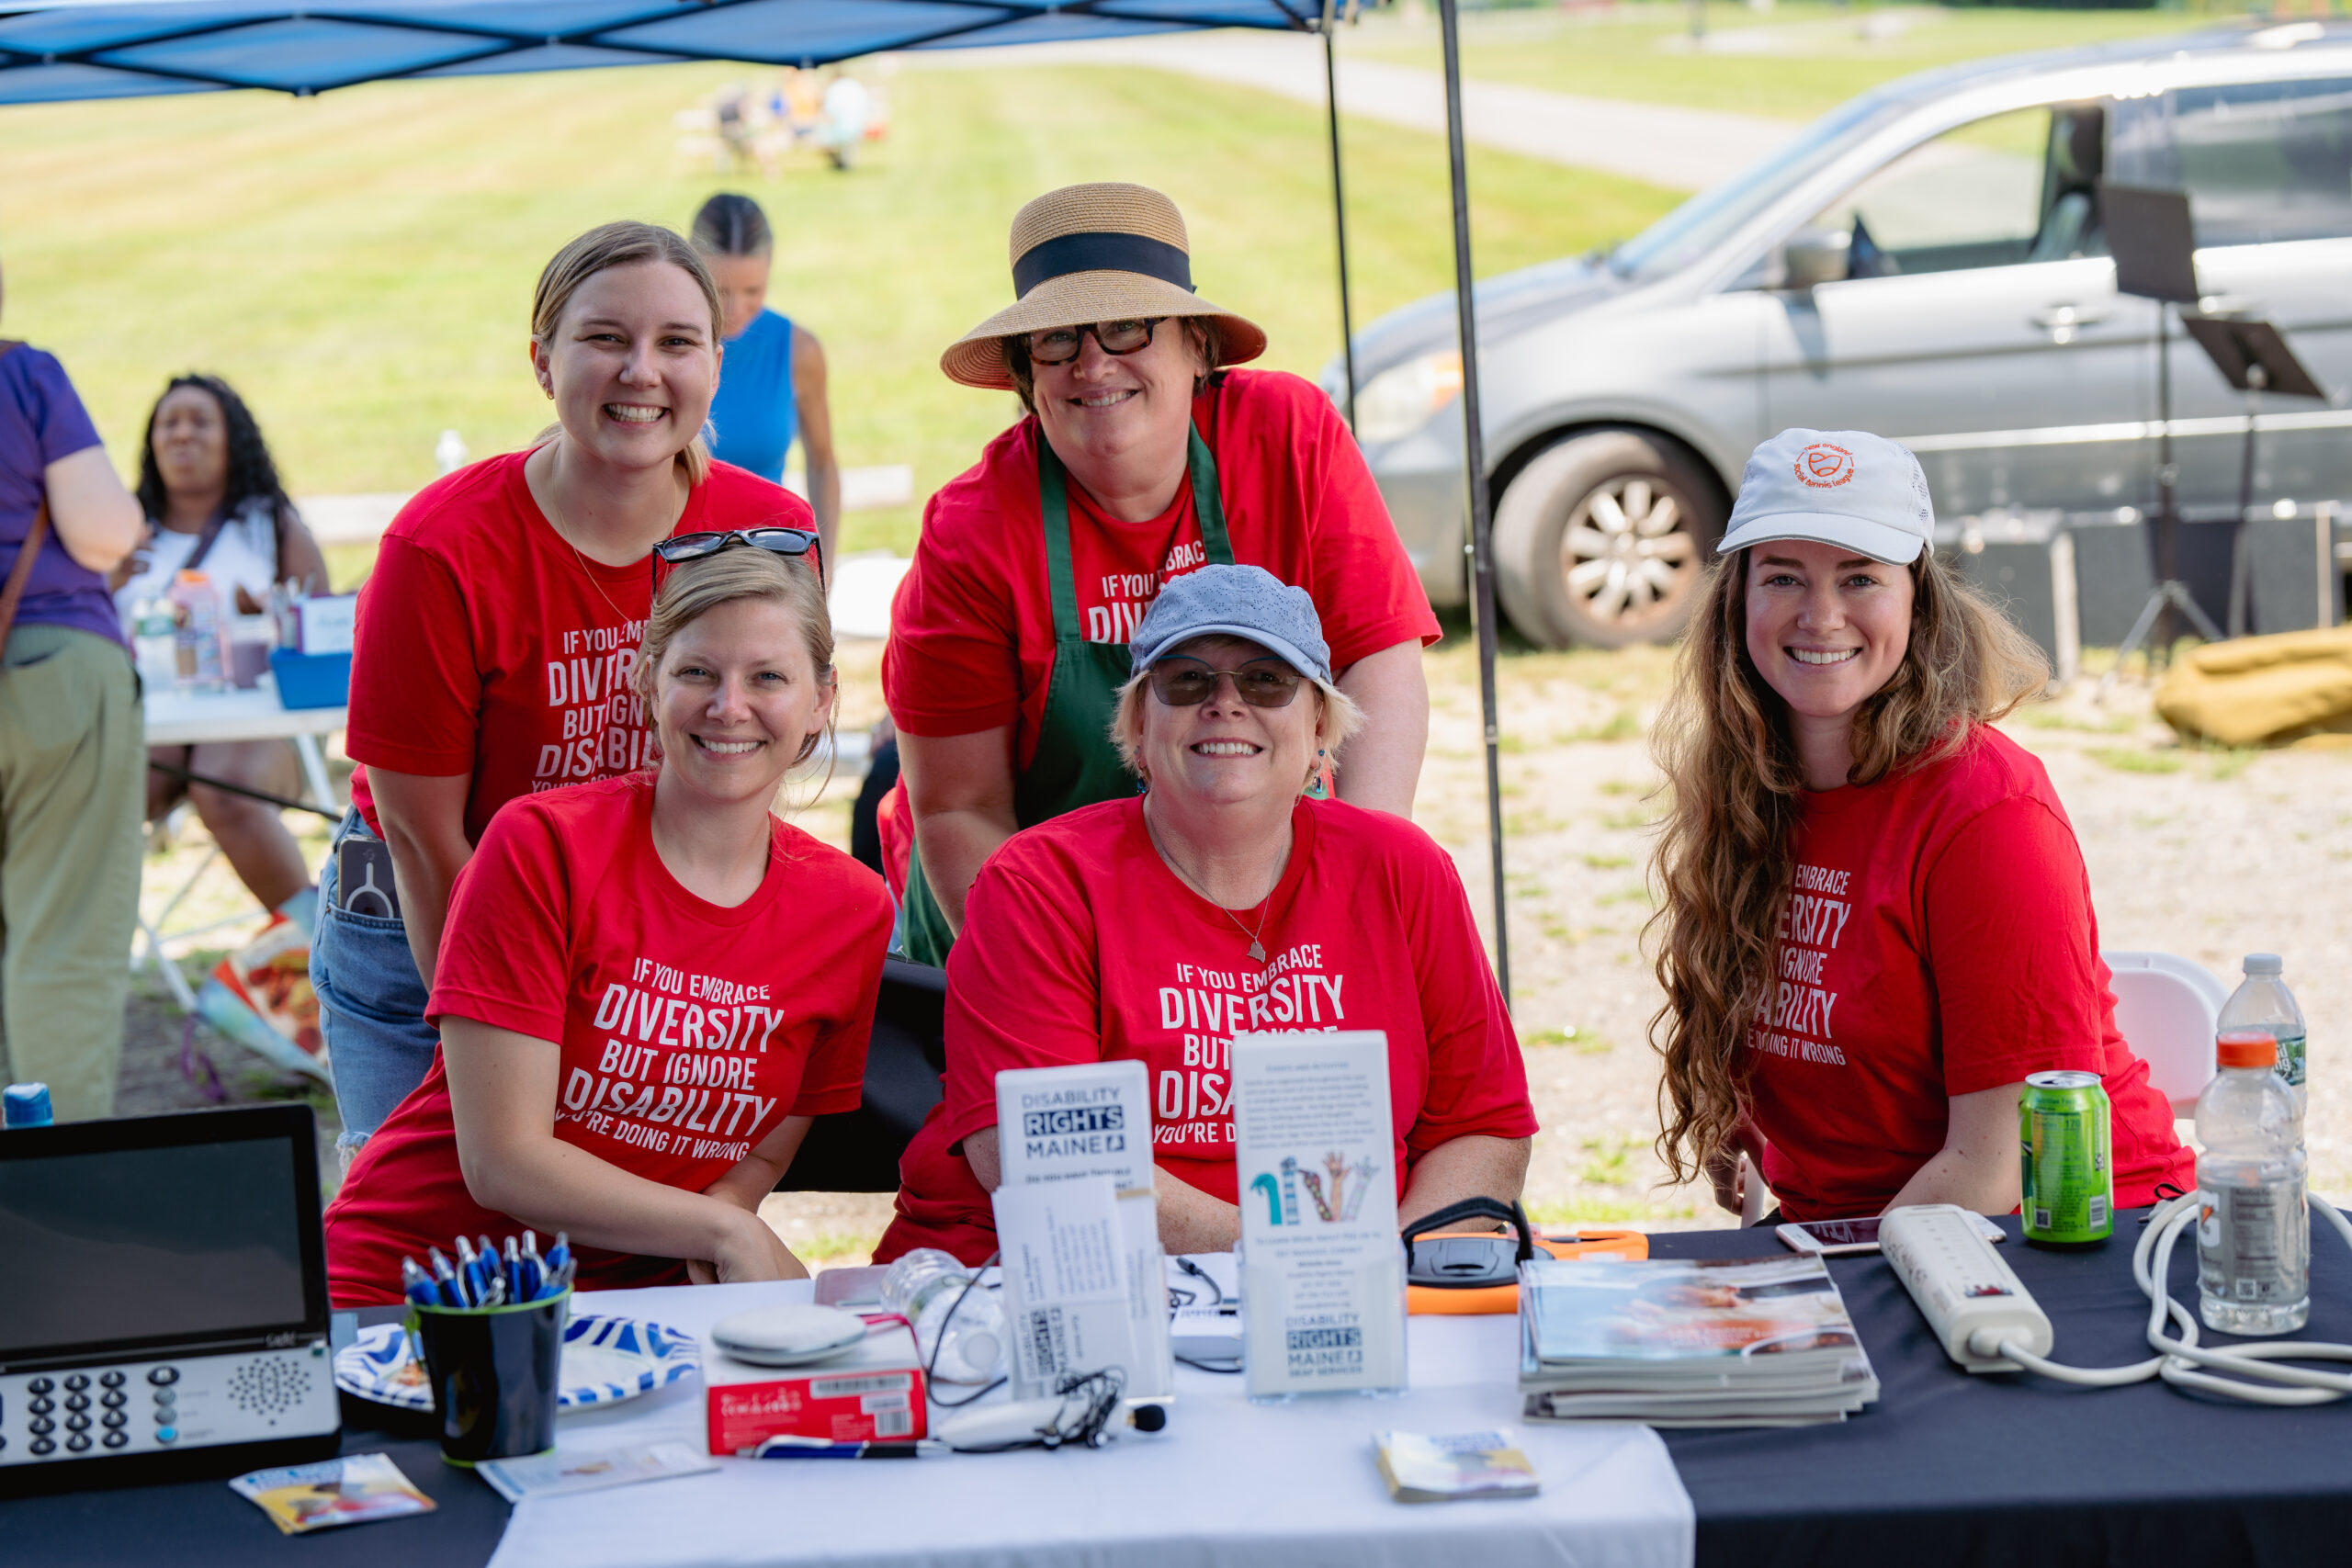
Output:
(684, 548)
(1060, 344)
(1181, 681)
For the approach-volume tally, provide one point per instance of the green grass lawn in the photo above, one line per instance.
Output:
(360, 265)
(1795, 62)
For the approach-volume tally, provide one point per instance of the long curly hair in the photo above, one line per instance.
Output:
(1725, 860)
(251, 471)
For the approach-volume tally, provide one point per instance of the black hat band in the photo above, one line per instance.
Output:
(1101, 253)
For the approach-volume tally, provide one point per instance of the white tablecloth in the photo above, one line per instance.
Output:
(183, 718)
(1228, 1485)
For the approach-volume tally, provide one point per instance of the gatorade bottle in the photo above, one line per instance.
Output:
(2253, 1231)
(26, 1105)
(2264, 1002)
(202, 649)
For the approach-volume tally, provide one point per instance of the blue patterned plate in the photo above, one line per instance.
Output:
(606, 1361)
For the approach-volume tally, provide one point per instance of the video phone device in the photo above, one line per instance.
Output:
(166, 1307)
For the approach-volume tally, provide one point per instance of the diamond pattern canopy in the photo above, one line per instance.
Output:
(98, 49)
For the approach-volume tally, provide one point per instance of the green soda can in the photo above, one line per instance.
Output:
(2066, 1152)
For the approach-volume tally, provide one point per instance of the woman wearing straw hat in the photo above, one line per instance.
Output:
(1142, 458)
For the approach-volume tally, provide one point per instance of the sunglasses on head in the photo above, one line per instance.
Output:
(684, 548)
(1181, 681)
(1059, 345)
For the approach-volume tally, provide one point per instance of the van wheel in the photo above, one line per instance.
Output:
(1602, 540)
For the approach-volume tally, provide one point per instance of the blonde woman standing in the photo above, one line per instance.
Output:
(499, 628)
(1877, 921)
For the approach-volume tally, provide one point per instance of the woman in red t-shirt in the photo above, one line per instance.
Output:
(1142, 460)
(1221, 902)
(497, 630)
(649, 984)
(1877, 922)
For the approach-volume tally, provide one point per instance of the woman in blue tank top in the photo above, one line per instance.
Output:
(771, 382)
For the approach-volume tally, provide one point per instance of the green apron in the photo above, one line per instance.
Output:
(1074, 763)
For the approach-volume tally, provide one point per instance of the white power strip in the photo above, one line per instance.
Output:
(1962, 1287)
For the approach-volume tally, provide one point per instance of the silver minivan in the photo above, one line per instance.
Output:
(1926, 261)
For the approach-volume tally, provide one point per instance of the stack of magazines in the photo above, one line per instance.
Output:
(1688, 1344)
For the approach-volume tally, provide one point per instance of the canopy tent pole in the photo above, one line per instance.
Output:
(1340, 204)
(1473, 463)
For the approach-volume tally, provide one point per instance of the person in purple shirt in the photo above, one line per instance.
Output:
(73, 757)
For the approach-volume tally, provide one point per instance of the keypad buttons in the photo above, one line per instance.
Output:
(78, 1381)
(40, 1386)
(42, 1406)
(77, 1401)
(79, 1421)
(112, 1379)
(41, 1426)
(116, 1418)
(159, 1376)
(167, 1435)
(112, 1399)
(79, 1442)
(116, 1440)
(44, 1445)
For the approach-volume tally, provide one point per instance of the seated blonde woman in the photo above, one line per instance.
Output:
(1221, 901)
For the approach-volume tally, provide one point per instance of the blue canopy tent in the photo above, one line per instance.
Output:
(66, 50)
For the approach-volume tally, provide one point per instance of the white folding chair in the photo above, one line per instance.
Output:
(2167, 1008)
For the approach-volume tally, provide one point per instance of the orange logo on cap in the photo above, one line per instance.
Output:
(1825, 467)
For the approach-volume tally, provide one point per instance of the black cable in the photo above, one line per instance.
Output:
(930, 1370)
(1234, 1369)
(262, 796)
(1203, 1276)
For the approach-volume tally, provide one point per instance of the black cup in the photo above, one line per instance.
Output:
(495, 1376)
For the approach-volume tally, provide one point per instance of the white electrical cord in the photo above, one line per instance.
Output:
(2181, 1361)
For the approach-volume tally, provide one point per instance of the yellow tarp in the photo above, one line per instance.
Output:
(2261, 688)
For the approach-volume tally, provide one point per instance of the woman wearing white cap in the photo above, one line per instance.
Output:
(1877, 921)
(1142, 458)
(1156, 929)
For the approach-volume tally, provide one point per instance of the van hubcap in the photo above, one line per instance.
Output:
(1628, 554)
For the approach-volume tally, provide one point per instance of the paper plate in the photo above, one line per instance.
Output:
(606, 1361)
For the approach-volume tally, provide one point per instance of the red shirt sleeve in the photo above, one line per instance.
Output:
(413, 666)
(952, 666)
(505, 952)
(1477, 1082)
(834, 1078)
(1366, 591)
(1023, 987)
(2013, 946)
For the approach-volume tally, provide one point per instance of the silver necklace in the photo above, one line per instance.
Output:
(1265, 905)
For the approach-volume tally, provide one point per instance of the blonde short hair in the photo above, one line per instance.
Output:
(1338, 717)
(622, 243)
(694, 589)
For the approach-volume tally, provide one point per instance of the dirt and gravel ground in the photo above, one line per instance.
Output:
(2206, 854)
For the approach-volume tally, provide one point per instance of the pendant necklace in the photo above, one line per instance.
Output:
(1265, 905)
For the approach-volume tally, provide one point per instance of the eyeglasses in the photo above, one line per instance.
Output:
(685, 548)
(1060, 344)
(1180, 680)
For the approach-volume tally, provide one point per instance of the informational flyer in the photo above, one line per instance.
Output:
(1322, 1271)
(1056, 1126)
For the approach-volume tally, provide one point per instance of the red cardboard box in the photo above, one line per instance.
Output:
(871, 1393)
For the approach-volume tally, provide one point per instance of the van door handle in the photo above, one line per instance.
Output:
(2063, 322)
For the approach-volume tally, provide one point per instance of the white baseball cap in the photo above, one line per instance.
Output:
(1846, 488)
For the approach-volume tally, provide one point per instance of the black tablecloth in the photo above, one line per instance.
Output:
(1946, 1468)
(1950, 1467)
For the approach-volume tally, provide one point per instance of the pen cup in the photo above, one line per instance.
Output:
(494, 1373)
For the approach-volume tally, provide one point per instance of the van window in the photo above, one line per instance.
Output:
(1973, 197)
(2260, 161)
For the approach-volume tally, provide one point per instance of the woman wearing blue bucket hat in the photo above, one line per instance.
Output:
(1222, 900)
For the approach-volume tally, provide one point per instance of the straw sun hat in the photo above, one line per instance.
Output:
(1095, 253)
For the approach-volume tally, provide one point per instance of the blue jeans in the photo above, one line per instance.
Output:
(371, 1005)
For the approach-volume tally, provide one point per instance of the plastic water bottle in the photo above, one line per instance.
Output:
(154, 642)
(202, 650)
(26, 1105)
(2253, 1231)
(923, 1287)
(2262, 1002)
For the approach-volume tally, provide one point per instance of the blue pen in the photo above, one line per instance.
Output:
(418, 1285)
(534, 1271)
(452, 1291)
(470, 1271)
(817, 1448)
(515, 1272)
(561, 1253)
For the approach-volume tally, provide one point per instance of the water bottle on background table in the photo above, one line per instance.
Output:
(2262, 1002)
(2254, 1230)
(154, 643)
(202, 649)
(923, 1287)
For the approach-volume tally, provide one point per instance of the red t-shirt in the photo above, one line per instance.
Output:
(487, 645)
(1082, 946)
(972, 628)
(687, 1031)
(1939, 941)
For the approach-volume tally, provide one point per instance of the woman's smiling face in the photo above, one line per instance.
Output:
(632, 365)
(1826, 627)
(737, 698)
(1223, 751)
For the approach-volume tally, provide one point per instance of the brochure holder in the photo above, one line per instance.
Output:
(1077, 1224)
(1322, 1270)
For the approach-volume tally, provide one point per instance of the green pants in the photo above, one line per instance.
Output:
(72, 781)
